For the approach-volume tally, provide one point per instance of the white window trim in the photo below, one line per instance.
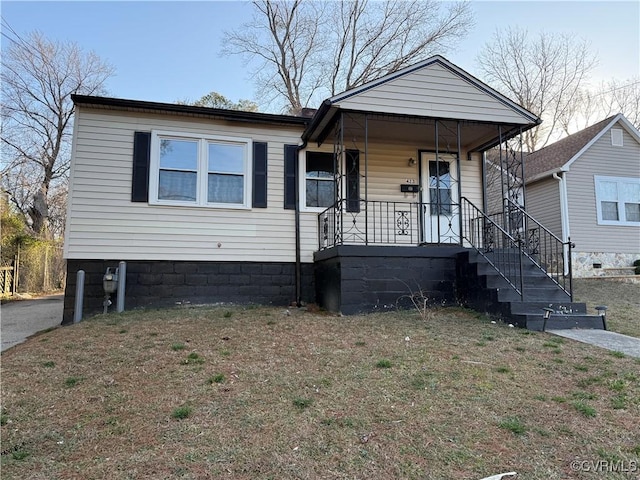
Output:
(621, 211)
(201, 183)
(302, 183)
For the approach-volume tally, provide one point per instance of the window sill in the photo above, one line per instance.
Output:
(210, 206)
(612, 223)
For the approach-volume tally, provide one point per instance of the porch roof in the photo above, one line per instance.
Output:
(432, 89)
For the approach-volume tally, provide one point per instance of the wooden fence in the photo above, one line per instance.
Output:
(7, 281)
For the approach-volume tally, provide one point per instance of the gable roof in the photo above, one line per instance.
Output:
(560, 155)
(433, 88)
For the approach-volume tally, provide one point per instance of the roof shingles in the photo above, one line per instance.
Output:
(554, 156)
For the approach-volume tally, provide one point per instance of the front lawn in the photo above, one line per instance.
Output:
(258, 393)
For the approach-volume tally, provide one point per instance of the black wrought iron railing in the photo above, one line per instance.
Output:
(498, 247)
(370, 222)
(544, 248)
(508, 238)
(505, 239)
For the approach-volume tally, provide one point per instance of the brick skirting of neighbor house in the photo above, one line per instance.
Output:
(165, 283)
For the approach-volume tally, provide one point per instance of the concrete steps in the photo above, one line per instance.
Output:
(481, 287)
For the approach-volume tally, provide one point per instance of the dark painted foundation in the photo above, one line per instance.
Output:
(164, 283)
(360, 279)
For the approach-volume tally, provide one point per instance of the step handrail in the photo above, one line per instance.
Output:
(558, 249)
(511, 273)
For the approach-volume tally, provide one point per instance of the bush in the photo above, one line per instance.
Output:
(637, 265)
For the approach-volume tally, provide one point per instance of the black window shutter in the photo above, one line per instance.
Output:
(259, 175)
(141, 156)
(353, 180)
(290, 159)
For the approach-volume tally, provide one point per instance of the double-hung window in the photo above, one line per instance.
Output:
(617, 200)
(320, 182)
(199, 170)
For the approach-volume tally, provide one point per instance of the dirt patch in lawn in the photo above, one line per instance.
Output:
(266, 393)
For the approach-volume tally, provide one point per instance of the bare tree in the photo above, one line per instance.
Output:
(608, 98)
(622, 97)
(38, 78)
(309, 49)
(543, 74)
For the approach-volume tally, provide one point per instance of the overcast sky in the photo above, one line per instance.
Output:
(168, 51)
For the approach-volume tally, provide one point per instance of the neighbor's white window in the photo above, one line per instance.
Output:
(199, 170)
(618, 200)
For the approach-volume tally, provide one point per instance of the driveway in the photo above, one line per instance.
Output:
(22, 318)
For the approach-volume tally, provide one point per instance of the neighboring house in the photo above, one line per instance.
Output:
(377, 194)
(586, 187)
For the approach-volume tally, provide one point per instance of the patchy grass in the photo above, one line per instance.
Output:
(623, 300)
(302, 397)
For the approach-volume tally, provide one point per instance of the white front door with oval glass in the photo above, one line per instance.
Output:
(440, 199)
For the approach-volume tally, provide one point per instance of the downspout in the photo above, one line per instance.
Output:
(564, 215)
(297, 225)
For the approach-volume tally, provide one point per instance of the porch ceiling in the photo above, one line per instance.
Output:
(418, 131)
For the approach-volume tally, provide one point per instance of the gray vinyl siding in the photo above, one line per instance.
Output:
(543, 203)
(433, 91)
(601, 159)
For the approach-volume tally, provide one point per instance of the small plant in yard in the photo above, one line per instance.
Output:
(49, 364)
(617, 354)
(218, 378)
(20, 454)
(177, 347)
(383, 364)
(194, 358)
(228, 314)
(302, 403)
(4, 418)
(619, 402)
(514, 425)
(617, 385)
(420, 301)
(503, 369)
(182, 412)
(72, 381)
(584, 409)
(124, 330)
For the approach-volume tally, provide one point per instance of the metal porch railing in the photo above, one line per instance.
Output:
(361, 222)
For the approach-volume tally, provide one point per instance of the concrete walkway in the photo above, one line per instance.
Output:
(22, 318)
(604, 339)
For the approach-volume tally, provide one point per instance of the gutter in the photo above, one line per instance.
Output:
(564, 213)
(301, 147)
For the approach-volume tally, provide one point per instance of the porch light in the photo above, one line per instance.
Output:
(547, 313)
(602, 311)
(412, 162)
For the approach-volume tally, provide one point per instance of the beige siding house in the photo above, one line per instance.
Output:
(207, 205)
(586, 187)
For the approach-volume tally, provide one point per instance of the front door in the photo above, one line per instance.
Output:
(441, 205)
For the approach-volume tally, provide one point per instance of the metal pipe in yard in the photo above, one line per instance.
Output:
(77, 312)
(122, 280)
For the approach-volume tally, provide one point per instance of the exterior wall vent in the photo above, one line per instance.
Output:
(616, 137)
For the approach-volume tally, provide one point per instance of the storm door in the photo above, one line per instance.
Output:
(441, 205)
